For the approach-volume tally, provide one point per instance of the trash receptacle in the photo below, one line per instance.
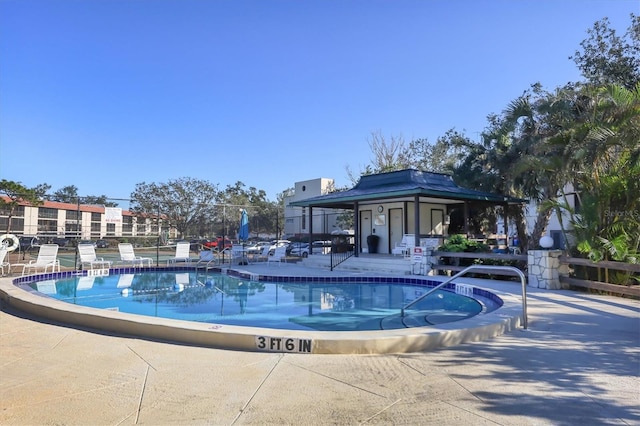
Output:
(372, 243)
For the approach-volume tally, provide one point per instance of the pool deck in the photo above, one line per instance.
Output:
(577, 363)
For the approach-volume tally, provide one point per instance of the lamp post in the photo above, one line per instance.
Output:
(224, 230)
(78, 235)
(158, 240)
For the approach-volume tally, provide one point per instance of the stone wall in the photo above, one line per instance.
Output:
(543, 269)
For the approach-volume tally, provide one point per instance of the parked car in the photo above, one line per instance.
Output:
(217, 243)
(87, 242)
(28, 242)
(297, 249)
(318, 247)
(60, 241)
(256, 247)
(278, 243)
(197, 245)
(102, 243)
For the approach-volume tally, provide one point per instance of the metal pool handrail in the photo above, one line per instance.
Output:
(479, 268)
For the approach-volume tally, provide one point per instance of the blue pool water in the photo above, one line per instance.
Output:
(220, 299)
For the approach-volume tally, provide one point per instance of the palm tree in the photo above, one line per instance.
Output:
(530, 166)
(604, 155)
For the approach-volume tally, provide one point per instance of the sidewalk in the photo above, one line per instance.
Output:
(578, 363)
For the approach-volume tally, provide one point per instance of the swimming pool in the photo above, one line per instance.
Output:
(20, 294)
(217, 298)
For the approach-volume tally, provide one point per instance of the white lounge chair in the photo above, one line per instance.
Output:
(405, 246)
(3, 262)
(207, 259)
(127, 255)
(279, 255)
(264, 256)
(238, 254)
(47, 258)
(182, 253)
(399, 249)
(87, 253)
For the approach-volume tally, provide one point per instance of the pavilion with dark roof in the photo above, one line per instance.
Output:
(384, 205)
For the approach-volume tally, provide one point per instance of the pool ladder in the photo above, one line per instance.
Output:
(476, 268)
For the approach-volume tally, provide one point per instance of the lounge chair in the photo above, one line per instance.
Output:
(279, 255)
(264, 256)
(182, 253)
(239, 254)
(405, 246)
(207, 259)
(88, 256)
(47, 258)
(3, 262)
(127, 255)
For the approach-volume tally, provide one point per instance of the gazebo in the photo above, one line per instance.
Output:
(384, 205)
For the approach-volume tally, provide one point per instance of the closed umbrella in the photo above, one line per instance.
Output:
(243, 234)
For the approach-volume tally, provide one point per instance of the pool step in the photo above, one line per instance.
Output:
(393, 322)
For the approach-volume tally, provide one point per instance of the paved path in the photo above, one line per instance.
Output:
(577, 364)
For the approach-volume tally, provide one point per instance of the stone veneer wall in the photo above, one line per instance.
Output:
(543, 268)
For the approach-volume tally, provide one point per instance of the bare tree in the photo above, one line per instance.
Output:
(388, 155)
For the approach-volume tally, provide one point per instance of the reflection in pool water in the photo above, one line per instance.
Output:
(221, 299)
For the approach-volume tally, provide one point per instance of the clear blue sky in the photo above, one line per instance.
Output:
(105, 94)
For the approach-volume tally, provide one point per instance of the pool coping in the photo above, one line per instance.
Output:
(480, 327)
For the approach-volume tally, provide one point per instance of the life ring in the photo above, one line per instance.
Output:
(15, 242)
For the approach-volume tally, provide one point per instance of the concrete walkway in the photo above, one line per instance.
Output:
(578, 363)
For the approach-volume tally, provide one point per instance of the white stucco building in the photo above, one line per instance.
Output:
(296, 221)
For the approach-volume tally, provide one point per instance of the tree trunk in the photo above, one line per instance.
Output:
(521, 229)
(542, 221)
(9, 221)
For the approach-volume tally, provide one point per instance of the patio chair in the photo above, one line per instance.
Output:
(264, 255)
(279, 255)
(182, 253)
(207, 259)
(239, 254)
(405, 247)
(3, 262)
(47, 258)
(87, 253)
(127, 255)
(399, 249)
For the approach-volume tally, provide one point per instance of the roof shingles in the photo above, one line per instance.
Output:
(404, 183)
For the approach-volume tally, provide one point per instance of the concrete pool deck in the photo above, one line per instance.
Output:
(578, 362)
